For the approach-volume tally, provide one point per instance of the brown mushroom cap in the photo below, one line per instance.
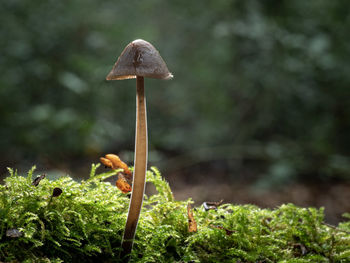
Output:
(139, 58)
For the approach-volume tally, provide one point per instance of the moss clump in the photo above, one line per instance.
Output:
(85, 224)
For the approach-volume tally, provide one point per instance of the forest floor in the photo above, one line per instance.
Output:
(213, 185)
(334, 197)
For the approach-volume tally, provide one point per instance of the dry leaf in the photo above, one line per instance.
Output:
(212, 205)
(13, 232)
(37, 180)
(192, 225)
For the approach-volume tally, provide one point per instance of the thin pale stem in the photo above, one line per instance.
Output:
(140, 166)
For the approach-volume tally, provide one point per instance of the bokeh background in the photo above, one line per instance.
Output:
(258, 111)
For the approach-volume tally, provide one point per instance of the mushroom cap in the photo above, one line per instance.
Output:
(139, 58)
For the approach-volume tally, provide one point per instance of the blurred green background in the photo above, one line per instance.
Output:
(260, 95)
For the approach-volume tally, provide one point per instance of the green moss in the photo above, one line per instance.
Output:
(85, 224)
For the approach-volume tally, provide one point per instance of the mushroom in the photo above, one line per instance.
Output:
(138, 60)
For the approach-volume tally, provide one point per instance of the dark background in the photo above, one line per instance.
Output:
(258, 111)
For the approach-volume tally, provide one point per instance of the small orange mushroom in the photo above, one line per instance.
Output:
(114, 162)
(124, 178)
(123, 184)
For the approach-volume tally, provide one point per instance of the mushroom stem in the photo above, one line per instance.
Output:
(140, 166)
